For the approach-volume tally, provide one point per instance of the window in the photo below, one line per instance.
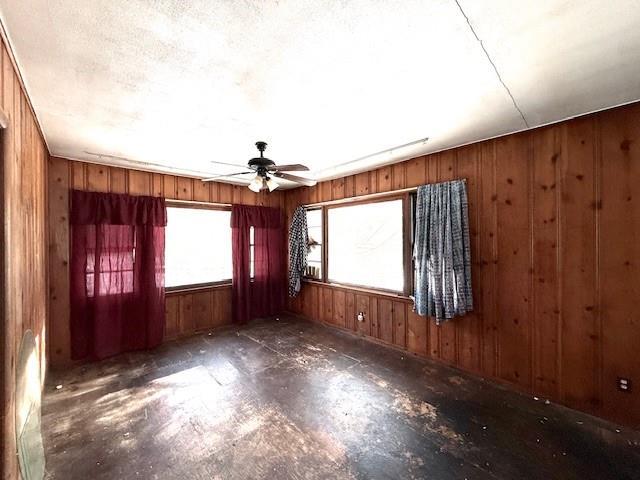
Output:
(197, 246)
(314, 257)
(117, 257)
(252, 253)
(365, 244)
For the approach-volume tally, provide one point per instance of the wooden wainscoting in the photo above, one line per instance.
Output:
(195, 311)
(555, 239)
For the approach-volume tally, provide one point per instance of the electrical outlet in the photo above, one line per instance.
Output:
(360, 316)
(624, 384)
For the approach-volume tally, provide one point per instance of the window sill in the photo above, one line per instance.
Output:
(197, 288)
(372, 291)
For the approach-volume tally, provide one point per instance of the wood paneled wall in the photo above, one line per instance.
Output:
(204, 309)
(555, 237)
(187, 311)
(23, 288)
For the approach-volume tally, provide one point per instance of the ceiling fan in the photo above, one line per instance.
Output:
(265, 169)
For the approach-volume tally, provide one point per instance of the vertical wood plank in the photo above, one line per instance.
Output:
(416, 171)
(546, 308)
(156, 185)
(59, 308)
(512, 168)
(325, 191)
(385, 320)
(384, 179)
(619, 258)
(350, 311)
(226, 193)
(416, 333)
(97, 178)
(172, 314)
(202, 305)
(140, 183)
(400, 324)
(362, 183)
(169, 187)
(469, 327)
(337, 187)
(201, 190)
(117, 180)
(339, 308)
(579, 367)
(349, 186)
(186, 321)
(78, 175)
(185, 188)
(488, 259)
(327, 304)
(398, 176)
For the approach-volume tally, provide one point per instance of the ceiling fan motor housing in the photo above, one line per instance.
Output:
(261, 164)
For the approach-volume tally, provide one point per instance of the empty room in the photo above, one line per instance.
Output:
(286, 240)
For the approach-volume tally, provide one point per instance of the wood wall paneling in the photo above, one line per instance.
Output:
(554, 218)
(186, 312)
(618, 214)
(24, 286)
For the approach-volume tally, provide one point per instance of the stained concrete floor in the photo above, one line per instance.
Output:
(290, 399)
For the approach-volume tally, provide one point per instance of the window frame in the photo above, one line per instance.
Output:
(252, 254)
(407, 242)
(323, 233)
(197, 206)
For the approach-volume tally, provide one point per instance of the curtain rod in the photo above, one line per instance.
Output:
(369, 196)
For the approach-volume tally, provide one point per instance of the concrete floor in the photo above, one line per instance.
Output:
(290, 399)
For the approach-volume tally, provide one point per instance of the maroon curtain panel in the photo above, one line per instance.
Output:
(117, 273)
(265, 294)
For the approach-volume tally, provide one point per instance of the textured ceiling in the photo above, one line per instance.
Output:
(181, 84)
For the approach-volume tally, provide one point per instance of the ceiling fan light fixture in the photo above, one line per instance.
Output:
(272, 184)
(256, 184)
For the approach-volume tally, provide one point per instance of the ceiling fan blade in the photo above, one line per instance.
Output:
(294, 178)
(289, 168)
(210, 179)
(230, 164)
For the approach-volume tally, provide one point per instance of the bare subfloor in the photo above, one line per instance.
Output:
(289, 399)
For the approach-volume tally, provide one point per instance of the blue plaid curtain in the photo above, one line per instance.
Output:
(441, 251)
(298, 249)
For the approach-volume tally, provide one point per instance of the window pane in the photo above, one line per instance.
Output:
(365, 245)
(197, 246)
(252, 261)
(314, 231)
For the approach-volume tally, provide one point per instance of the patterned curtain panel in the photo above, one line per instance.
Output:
(441, 251)
(298, 249)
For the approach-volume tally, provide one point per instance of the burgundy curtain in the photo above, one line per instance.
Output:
(265, 294)
(117, 273)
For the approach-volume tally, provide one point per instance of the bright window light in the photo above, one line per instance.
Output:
(197, 246)
(366, 245)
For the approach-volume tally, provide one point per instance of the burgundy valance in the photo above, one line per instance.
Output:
(258, 217)
(93, 208)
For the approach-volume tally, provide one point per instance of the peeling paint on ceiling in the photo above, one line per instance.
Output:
(181, 84)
